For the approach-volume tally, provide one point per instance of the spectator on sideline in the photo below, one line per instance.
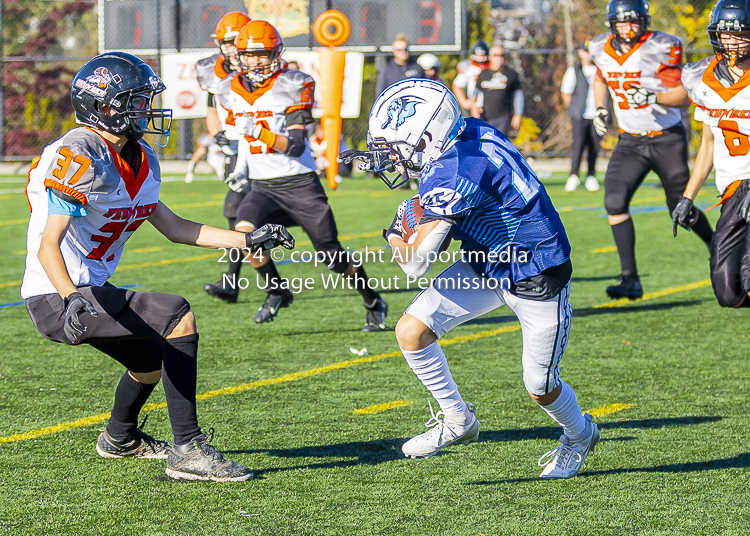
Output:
(465, 83)
(577, 92)
(499, 99)
(215, 156)
(399, 67)
(431, 65)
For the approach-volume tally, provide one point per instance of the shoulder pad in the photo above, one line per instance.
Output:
(74, 170)
(205, 72)
(692, 73)
(295, 88)
(666, 39)
(463, 65)
(665, 47)
(596, 45)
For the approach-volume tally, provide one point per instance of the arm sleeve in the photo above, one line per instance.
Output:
(568, 85)
(518, 102)
(57, 205)
(211, 100)
(300, 117)
(71, 173)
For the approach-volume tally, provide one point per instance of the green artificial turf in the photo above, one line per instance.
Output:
(674, 462)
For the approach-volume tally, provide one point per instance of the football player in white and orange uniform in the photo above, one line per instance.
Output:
(88, 192)
(272, 107)
(465, 84)
(641, 69)
(215, 75)
(718, 86)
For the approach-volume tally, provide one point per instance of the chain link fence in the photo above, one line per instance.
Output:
(46, 41)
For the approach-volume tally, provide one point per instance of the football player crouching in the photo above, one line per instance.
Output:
(476, 187)
(88, 192)
(272, 107)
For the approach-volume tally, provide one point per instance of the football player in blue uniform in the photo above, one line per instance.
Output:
(477, 188)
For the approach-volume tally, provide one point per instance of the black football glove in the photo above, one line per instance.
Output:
(268, 237)
(685, 215)
(75, 304)
(396, 228)
(601, 117)
(220, 139)
(745, 208)
(367, 157)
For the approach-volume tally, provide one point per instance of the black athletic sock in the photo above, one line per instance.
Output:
(179, 376)
(624, 234)
(270, 277)
(130, 396)
(359, 280)
(703, 229)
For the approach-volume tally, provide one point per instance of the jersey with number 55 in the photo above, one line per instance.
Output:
(652, 63)
(724, 106)
(499, 208)
(284, 95)
(81, 168)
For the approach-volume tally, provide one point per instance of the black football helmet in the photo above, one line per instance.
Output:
(628, 10)
(114, 92)
(480, 48)
(730, 17)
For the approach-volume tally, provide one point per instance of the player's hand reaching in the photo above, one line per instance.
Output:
(685, 215)
(236, 181)
(247, 126)
(75, 304)
(601, 117)
(638, 96)
(220, 139)
(397, 227)
(745, 208)
(268, 237)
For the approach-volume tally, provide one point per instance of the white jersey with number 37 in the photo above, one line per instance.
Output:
(653, 64)
(725, 107)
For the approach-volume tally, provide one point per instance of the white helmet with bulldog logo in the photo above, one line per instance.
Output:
(411, 123)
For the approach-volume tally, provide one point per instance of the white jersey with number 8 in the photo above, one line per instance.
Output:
(724, 106)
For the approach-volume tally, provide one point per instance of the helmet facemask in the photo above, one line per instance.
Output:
(737, 50)
(396, 162)
(228, 50)
(633, 17)
(262, 71)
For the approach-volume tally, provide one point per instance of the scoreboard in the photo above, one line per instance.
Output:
(148, 26)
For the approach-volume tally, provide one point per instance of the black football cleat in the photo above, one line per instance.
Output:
(222, 290)
(198, 460)
(375, 317)
(270, 308)
(628, 286)
(139, 446)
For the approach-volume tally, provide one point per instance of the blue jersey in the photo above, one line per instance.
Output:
(501, 213)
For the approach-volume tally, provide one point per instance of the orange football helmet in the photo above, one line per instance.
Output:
(260, 40)
(227, 29)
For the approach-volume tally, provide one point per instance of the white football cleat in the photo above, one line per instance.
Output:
(566, 460)
(591, 184)
(572, 183)
(442, 434)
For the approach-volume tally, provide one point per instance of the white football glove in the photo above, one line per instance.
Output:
(236, 181)
(638, 96)
(247, 126)
(600, 121)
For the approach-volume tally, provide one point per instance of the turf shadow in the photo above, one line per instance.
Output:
(741, 461)
(387, 450)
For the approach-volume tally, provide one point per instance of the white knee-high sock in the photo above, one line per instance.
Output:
(431, 367)
(567, 413)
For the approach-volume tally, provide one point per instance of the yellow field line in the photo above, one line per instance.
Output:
(14, 222)
(144, 250)
(295, 376)
(608, 409)
(605, 249)
(657, 294)
(200, 204)
(10, 284)
(377, 408)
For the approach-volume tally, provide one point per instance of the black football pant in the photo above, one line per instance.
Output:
(585, 138)
(730, 253)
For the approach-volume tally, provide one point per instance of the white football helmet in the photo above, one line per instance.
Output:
(411, 124)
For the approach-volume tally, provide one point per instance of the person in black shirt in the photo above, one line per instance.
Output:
(399, 67)
(499, 97)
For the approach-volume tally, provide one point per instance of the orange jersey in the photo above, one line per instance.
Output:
(653, 64)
